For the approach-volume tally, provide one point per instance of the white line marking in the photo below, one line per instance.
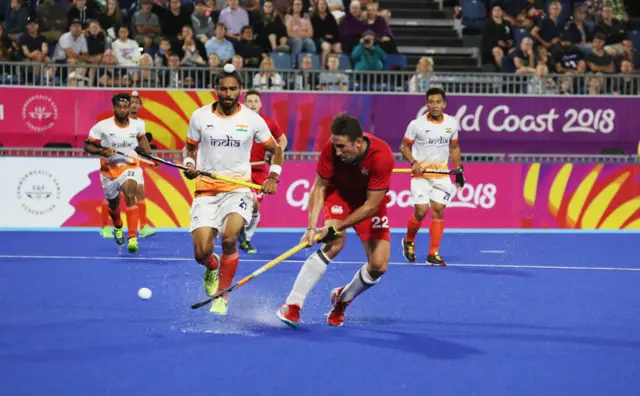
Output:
(493, 251)
(513, 266)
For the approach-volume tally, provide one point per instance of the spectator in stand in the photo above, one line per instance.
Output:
(220, 45)
(547, 33)
(96, 45)
(300, 32)
(566, 86)
(53, 20)
(6, 45)
(234, 18)
(190, 55)
(161, 58)
(571, 62)
(267, 79)
(544, 58)
(126, 51)
(271, 33)
(524, 59)
(378, 25)
(497, 38)
(146, 76)
(333, 79)
(174, 19)
(599, 61)
(111, 19)
(614, 31)
(325, 30)
(33, 45)
(248, 49)
(351, 27)
(593, 9)
(596, 85)
(541, 83)
(82, 11)
(528, 15)
(577, 33)
(368, 55)
(16, 21)
(238, 62)
(421, 81)
(175, 77)
(146, 25)
(214, 64)
(203, 26)
(108, 74)
(305, 79)
(628, 84)
(187, 33)
(72, 48)
(630, 54)
(336, 7)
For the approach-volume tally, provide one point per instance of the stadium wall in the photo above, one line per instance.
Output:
(66, 192)
(33, 117)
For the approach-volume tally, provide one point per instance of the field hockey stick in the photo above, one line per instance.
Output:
(434, 171)
(135, 157)
(207, 174)
(262, 269)
(258, 163)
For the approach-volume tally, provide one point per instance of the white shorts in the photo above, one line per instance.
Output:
(210, 211)
(112, 186)
(440, 190)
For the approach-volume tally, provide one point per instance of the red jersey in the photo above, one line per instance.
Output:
(352, 181)
(258, 153)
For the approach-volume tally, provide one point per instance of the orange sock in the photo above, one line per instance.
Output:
(412, 229)
(142, 213)
(435, 232)
(115, 217)
(211, 262)
(105, 213)
(228, 267)
(132, 221)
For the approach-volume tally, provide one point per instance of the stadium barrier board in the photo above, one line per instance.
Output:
(33, 117)
(66, 192)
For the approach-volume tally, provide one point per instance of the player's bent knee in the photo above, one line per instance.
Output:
(377, 268)
(332, 248)
(229, 242)
(420, 211)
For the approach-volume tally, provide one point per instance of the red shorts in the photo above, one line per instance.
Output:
(375, 227)
(259, 176)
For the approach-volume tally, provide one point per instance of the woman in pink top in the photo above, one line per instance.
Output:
(300, 32)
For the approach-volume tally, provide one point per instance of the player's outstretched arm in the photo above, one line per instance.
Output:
(368, 209)
(405, 149)
(277, 158)
(189, 160)
(316, 201)
(144, 144)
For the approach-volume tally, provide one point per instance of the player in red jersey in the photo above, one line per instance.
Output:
(353, 177)
(259, 172)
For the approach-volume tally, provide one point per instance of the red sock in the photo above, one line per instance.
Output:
(105, 213)
(115, 217)
(228, 267)
(412, 229)
(435, 232)
(142, 213)
(211, 262)
(132, 221)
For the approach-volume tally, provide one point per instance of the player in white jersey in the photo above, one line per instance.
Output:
(119, 173)
(428, 143)
(219, 141)
(145, 229)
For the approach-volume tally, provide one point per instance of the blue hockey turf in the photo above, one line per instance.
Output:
(513, 314)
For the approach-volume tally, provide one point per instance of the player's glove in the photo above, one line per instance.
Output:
(460, 176)
(332, 234)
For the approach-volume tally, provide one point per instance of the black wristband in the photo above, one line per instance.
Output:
(271, 177)
(412, 162)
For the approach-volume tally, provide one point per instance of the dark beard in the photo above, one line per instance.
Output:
(228, 109)
(122, 120)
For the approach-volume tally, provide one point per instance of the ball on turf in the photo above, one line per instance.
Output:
(144, 293)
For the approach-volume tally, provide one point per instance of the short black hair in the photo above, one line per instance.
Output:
(436, 91)
(252, 92)
(120, 97)
(223, 74)
(345, 125)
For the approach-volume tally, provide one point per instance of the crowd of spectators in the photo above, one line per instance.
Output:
(104, 44)
(582, 45)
